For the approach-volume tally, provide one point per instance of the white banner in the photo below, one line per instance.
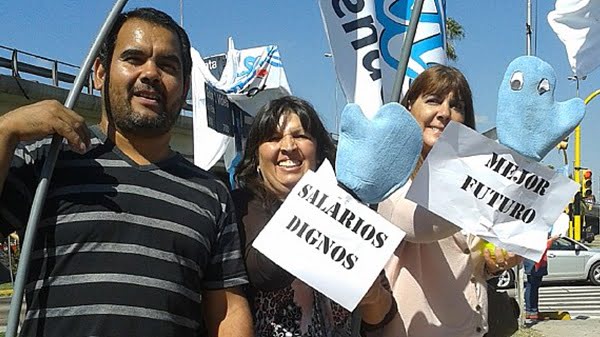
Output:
(577, 24)
(366, 37)
(329, 240)
(209, 145)
(491, 191)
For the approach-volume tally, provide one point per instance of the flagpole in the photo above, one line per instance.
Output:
(181, 13)
(528, 31)
(406, 50)
(46, 173)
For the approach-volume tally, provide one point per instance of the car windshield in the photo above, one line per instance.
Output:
(564, 244)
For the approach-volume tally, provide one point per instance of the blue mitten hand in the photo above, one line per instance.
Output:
(529, 120)
(376, 156)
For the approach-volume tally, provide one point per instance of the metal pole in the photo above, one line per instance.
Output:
(406, 50)
(577, 218)
(577, 175)
(181, 12)
(10, 265)
(528, 31)
(335, 95)
(46, 174)
(520, 274)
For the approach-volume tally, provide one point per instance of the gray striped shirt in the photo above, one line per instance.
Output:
(122, 249)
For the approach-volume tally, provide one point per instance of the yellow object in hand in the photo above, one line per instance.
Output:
(492, 249)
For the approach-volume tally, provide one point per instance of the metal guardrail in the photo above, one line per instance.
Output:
(51, 72)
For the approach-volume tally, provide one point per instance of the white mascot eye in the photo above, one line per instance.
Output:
(516, 81)
(544, 86)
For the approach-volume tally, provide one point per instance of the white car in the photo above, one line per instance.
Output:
(568, 260)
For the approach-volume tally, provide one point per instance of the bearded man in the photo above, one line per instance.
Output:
(133, 240)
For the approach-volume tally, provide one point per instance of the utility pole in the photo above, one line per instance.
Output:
(575, 228)
(520, 274)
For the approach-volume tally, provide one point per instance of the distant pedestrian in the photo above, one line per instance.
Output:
(535, 273)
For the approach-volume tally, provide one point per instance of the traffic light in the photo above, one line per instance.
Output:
(586, 185)
(574, 211)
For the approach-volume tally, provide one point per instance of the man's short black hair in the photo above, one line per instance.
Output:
(153, 16)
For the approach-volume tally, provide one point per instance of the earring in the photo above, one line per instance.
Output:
(258, 172)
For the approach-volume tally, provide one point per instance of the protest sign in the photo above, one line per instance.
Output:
(491, 191)
(328, 239)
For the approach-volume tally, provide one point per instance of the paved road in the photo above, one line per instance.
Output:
(580, 301)
(575, 327)
(4, 306)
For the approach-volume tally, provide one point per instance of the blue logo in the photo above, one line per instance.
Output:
(395, 19)
(253, 64)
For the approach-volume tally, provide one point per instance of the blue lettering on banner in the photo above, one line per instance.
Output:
(395, 19)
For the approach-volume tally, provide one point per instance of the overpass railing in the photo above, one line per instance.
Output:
(26, 65)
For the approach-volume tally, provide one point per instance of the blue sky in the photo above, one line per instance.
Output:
(495, 34)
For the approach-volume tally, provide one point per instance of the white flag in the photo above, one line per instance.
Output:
(366, 37)
(577, 24)
(251, 78)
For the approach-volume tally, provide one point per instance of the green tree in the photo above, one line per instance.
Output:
(454, 32)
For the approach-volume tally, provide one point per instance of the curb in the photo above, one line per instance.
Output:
(556, 315)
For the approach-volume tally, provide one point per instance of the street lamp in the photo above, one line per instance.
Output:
(335, 96)
(562, 146)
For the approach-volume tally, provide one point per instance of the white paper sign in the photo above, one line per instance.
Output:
(491, 191)
(329, 240)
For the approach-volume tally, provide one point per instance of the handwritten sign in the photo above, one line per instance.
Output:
(491, 191)
(329, 240)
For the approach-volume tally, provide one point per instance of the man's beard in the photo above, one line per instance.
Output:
(131, 122)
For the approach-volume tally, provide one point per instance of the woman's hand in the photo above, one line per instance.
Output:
(376, 292)
(500, 261)
(378, 303)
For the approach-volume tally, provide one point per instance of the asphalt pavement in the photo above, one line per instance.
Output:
(578, 327)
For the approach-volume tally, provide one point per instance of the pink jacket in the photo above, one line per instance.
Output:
(436, 274)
